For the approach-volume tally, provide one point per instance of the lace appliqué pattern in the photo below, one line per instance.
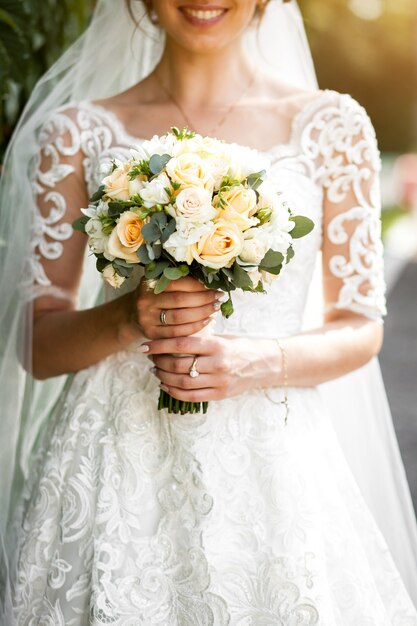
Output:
(340, 140)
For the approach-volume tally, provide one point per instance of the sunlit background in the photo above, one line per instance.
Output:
(367, 48)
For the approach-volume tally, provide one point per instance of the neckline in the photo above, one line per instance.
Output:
(122, 131)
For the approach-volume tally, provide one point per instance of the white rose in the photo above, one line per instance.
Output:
(180, 242)
(154, 192)
(254, 248)
(112, 277)
(245, 161)
(200, 145)
(219, 167)
(97, 241)
(194, 204)
(159, 145)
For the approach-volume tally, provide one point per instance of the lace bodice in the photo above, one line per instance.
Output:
(328, 170)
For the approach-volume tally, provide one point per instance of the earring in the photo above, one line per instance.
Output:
(152, 14)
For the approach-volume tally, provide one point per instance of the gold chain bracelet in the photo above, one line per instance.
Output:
(284, 402)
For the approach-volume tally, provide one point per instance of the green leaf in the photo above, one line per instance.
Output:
(303, 226)
(98, 194)
(184, 269)
(116, 208)
(79, 224)
(241, 278)
(157, 163)
(143, 255)
(101, 263)
(122, 269)
(161, 284)
(155, 269)
(290, 254)
(227, 307)
(151, 232)
(271, 259)
(168, 230)
(255, 180)
(173, 273)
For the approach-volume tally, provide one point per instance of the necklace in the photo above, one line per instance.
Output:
(190, 125)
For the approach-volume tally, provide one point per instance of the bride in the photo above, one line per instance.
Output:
(115, 513)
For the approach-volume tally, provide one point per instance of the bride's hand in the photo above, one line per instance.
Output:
(186, 306)
(227, 366)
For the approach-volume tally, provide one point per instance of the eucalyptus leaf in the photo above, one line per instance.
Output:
(290, 254)
(241, 278)
(157, 163)
(161, 284)
(143, 255)
(271, 259)
(151, 232)
(151, 252)
(173, 273)
(168, 230)
(122, 270)
(79, 223)
(303, 226)
(272, 270)
(255, 180)
(156, 270)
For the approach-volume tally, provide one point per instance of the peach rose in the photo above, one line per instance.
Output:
(126, 238)
(237, 206)
(189, 170)
(116, 185)
(220, 246)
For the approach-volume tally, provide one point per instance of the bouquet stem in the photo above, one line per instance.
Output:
(173, 405)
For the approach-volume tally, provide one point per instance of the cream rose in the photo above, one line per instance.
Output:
(219, 247)
(189, 170)
(126, 238)
(112, 277)
(237, 205)
(116, 185)
(194, 204)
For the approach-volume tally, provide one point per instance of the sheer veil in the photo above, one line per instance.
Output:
(112, 55)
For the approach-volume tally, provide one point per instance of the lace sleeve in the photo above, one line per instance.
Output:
(60, 191)
(341, 140)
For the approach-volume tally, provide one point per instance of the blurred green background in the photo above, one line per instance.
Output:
(364, 47)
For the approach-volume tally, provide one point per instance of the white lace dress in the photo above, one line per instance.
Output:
(133, 517)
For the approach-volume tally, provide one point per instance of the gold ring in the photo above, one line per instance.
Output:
(163, 317)
(193, 371)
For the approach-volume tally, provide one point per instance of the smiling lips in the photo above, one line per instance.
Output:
(200, 16)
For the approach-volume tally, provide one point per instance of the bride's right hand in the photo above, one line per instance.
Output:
(188, 306)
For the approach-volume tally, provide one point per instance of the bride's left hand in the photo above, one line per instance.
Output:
(227, 366)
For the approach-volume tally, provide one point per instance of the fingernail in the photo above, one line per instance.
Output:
(144, 348)
(164, 388)
(217, 305)
(219, 296)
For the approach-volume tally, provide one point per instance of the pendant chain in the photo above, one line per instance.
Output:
(221, 121)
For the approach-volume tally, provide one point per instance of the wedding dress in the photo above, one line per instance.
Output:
(135, 517)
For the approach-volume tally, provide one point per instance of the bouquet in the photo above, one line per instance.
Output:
(184, 204)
